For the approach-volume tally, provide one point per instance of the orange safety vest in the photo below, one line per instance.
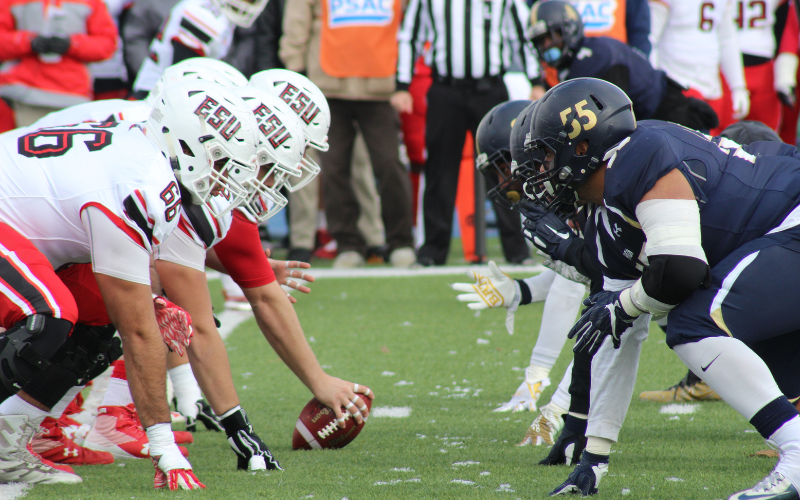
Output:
(602, 18)
(359, 38)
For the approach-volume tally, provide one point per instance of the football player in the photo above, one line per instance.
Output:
(712, 229)
(693, 40)
(195, 28)
(73, 180)
(557, 33)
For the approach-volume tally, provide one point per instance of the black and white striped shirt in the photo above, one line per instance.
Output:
(469, 38)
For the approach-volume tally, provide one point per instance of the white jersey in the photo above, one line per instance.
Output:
(756, 21)
(689, 48)
(196, 25)
(48, 177)
(109, 110)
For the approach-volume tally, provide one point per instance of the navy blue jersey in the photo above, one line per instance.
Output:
(611, 60)
(769, 148)
(741, 196)
(614, 242)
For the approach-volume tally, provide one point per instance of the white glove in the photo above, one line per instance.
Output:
(741, 103)
(564, 270)
(497, 290)
(786, 77)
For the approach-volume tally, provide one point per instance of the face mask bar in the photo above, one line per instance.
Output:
(545, 184)
(263, 201)
(309, 170)
(243, 13)
(505, 188)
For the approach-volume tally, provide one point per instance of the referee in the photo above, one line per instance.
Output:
(472, 43)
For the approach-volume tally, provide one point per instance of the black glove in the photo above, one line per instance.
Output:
(585, 478)
(604, 317)
(569, 445)
(205, 415)
(59, 45)
(41, 44)
(252, 453)
(546, 230)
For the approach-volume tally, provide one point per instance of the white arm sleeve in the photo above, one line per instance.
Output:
(730, 55)
(114, 253)
(659, 15)
(181, 249)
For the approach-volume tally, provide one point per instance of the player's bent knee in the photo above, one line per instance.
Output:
(27, 347)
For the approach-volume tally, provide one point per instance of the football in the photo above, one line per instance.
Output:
(316, 427)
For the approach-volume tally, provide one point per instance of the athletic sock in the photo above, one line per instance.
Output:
(787, 438)
(560, 309)
(598, 446)
(15, 405)
(62, 404)
(118, 392)
(187, 392)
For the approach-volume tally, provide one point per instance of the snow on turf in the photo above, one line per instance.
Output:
(390, 412)
(468, 462)
(505, 488)
(13, 491)
(463, 481)
(404, 382)
(401, 469)
(678, 409)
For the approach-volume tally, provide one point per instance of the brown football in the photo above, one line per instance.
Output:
(316, 427)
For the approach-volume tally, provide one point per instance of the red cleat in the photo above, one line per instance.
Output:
(51, 443)
(183, 437)
(119, 432)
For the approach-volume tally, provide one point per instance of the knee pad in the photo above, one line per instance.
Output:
(26, 348)
(87, 353)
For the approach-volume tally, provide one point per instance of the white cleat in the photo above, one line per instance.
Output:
(773, 487)
(18, 463)
(525, 398)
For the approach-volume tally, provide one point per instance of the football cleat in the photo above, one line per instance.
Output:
(205, 415)
(690, 388)
(773, 487)
(544, 428)
(251, 452)
(19, 463)
(52, 443)
(567, 449)
(119, 432)
(586, 477)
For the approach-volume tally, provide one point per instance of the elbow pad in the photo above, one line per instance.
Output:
(670, 279)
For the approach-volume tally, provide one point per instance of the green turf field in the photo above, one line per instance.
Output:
(452, 445)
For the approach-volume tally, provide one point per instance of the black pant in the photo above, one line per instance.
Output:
(379, 124)
(452, 111)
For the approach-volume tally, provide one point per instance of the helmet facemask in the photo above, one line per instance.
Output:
(242, 12)
(505, 189)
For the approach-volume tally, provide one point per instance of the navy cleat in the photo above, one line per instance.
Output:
(586, 477)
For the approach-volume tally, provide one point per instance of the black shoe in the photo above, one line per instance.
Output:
(425, 261)
(205, 415)
(299, 254)
(569, 445)
(377, 255)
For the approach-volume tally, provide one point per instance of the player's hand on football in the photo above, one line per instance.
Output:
(338, 394)
(174, 323)
(287, 271)
(494, 290)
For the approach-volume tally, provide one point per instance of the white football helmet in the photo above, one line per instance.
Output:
(308, 101)
(241, 12)
(209, 135)
(196, 68)
(279, 153)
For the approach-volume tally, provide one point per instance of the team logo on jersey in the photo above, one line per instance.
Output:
(342, 13)
(597, 15)
(219, 117)
(300, 102)
(271, 126)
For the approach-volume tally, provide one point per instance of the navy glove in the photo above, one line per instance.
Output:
(604, 317)
(546, 230)
(585, 478)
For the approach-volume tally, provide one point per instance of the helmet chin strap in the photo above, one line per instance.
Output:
(173, 157)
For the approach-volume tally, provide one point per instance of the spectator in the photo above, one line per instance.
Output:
(142, 23)
(111, 76)
(358, 84)
(50, 44)
(469, 58)
(255, 48)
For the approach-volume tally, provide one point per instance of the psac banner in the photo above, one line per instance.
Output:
(343, 13)
(602, 17)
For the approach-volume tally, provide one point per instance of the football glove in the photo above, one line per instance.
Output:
(604, 317)
(565, 270)
(174, 323)
(205, 415)
(172, 469)
(786, 77)
(546, 230)
(252, 453)
(496, 290)
(585, 478)
(567, 448)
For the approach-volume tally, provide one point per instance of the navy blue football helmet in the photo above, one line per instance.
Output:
(562, 23)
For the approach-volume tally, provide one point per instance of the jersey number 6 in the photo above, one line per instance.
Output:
(56, 142)
(583, 113)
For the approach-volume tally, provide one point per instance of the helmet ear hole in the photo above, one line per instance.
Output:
(186, 149)
(597, 102)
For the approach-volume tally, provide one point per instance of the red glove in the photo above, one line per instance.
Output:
(175, 325)
(175, 478)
